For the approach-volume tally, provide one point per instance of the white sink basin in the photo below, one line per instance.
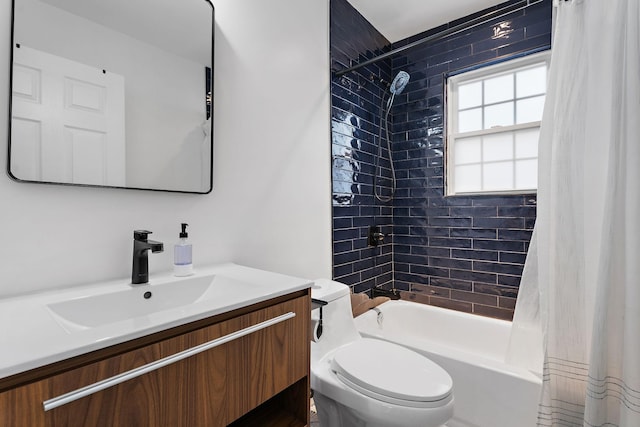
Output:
(135, 301)
(47, 327)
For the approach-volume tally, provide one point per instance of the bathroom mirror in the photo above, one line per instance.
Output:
(113, 93)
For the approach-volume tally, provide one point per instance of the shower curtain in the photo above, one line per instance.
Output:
(579, 299)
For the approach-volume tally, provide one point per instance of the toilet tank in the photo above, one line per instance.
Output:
(328, 290)
(338, 326)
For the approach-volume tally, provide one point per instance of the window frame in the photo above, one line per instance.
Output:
(453, 81)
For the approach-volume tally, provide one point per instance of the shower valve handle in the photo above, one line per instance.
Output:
(374, 236)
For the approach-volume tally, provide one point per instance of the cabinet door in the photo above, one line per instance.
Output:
(211, 388)
(266, 362)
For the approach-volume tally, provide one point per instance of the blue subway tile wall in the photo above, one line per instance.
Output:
(460, 252)
(355, 124)
(464, 253)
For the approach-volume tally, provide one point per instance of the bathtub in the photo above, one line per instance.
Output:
(487, 391)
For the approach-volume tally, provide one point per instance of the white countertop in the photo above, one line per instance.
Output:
(32, 336)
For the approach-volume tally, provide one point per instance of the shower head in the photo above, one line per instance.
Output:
(398, 84)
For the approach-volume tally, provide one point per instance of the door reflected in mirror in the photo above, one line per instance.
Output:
(115, 94)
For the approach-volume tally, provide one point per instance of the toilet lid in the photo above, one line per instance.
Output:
(389, 372)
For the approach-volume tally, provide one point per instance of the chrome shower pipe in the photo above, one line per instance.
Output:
(499, 13)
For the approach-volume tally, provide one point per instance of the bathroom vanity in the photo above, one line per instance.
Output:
(215, 361)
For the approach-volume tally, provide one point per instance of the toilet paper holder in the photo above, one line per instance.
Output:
(317, 303)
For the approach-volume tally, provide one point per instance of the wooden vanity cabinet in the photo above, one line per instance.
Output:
(260, 379)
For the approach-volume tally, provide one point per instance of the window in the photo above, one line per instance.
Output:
(493, 123)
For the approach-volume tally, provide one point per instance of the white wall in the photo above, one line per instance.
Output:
(270, 206)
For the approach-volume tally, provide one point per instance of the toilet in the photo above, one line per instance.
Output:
(366, 382)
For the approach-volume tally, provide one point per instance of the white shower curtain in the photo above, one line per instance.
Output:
(579, 299)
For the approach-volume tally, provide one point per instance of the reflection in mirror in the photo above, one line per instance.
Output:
(114, 94)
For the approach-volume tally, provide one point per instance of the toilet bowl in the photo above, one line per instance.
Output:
(366, 382)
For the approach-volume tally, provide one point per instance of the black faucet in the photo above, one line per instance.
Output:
(140, 271)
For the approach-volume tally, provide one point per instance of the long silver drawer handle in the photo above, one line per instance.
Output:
(126, 376)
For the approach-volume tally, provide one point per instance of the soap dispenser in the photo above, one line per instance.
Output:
(182, 263)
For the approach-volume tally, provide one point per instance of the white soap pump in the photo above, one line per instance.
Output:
(182, 261)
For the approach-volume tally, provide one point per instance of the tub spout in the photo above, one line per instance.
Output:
(391, 294)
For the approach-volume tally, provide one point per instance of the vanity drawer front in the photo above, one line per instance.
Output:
(210, 388)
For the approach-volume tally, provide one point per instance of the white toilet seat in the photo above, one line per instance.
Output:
(392, 374)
